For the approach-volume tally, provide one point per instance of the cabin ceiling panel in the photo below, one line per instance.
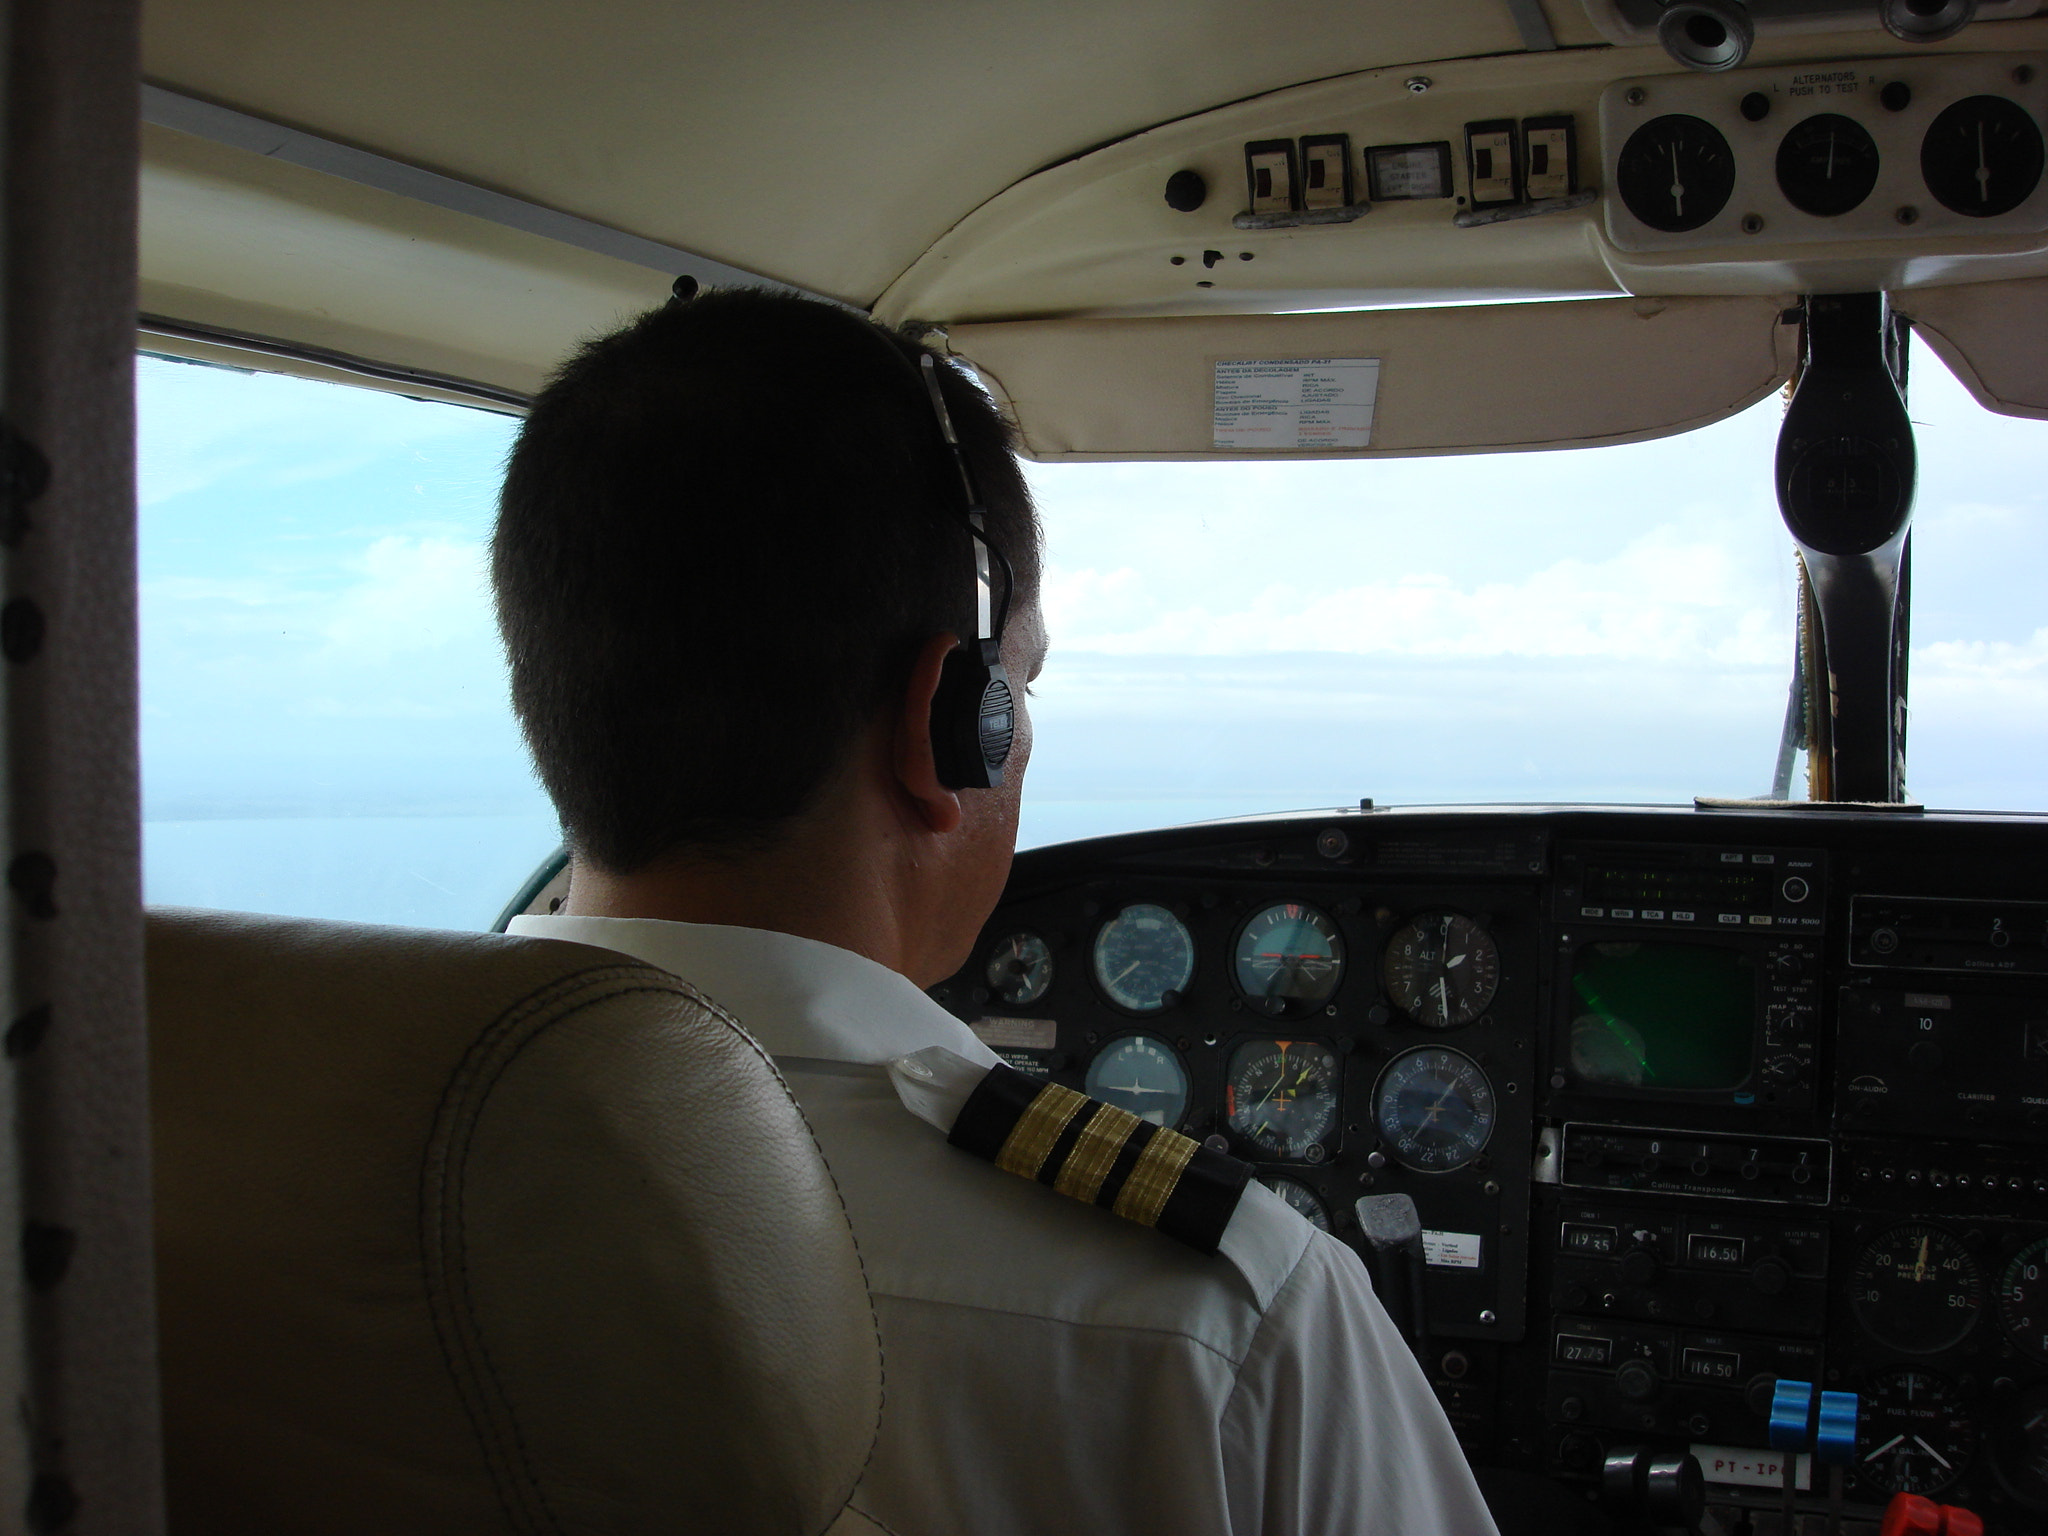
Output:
(1477, 379)
(247, 244)
(822, 143)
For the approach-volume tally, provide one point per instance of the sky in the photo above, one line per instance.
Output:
(325, 727)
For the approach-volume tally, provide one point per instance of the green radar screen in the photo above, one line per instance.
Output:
(1662, 1015)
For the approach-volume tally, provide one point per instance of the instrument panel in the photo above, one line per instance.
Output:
(1853, 149)
(1687, 1101)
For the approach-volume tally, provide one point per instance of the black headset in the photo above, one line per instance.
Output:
(974, 715)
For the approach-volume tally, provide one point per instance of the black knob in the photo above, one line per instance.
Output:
(1756, 106)
(1636, 1381)
(1638, 1267)
(1896, 96)
(1924, 1055)
(1186, 191)
(1757, 1395)
(1770, 1277)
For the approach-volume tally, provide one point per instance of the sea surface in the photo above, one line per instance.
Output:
(459, 871)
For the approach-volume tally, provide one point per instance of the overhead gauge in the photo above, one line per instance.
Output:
(1913, 1434)
(1281, 1096)
(1301, 1197)
(1144, 958)
(2023, 1299)
(1827, 164)
(1916, 1289)
(1020, 969)
(1143, 1074)
(1441, 969)
(1289, 957)
(1434, 1109)
(1675, 173)
(1982, 156)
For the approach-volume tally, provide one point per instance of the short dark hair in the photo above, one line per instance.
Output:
(725, 531)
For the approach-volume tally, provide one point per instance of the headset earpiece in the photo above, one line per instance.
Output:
(974, 718)
(974, 714)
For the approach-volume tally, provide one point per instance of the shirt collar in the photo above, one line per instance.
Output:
(797, 997)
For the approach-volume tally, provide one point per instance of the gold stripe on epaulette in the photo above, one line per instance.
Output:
(1095, 1150)
(1152, 1182)
(1032, 1138)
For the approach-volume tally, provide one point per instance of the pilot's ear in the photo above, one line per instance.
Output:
(912, 759)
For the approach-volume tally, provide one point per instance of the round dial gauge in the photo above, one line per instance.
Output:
(1913, 1434)
(1281, 1096)
(1301, 1197)
(1675, 173)
(1288, 954)
(1441, 970)
(2023, 1299)
(1143, 1074)
(1144, 957)
(2019, 1448)
(1434, 1109)
(1982, 156)
(1916, 1288)
(1827, 164)
(1020, 969)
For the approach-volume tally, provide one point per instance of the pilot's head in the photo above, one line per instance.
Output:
(728, 533)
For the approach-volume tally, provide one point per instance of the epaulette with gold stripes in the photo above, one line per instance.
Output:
(1098, 1153)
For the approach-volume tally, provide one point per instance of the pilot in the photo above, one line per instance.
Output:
(733, 556)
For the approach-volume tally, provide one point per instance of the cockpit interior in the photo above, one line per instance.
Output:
(1687, 1108)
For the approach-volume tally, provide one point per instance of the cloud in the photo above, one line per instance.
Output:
(1663, 598)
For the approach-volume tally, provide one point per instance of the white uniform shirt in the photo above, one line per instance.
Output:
(1050, 1367)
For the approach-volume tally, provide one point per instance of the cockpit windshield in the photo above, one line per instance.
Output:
(325, 727)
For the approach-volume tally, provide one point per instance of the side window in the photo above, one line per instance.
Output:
(325, 728)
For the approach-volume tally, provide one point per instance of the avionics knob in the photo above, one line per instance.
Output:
(1635, 1381)
(1638, 1267)
(1757, 1395)
(1770, 1277)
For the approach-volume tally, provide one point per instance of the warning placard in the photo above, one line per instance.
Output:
(1306, 402)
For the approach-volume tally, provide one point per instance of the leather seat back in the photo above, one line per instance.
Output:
(464, 1233)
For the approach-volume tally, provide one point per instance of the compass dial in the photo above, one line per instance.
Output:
(1982, 156)
(1675, 173)
(1916, 1288)
(1144, 958)
(1913, 1434)
(1289, 958)
(1441, 969)
(1143, 1074)
(1020, 969)
(1827, 164)
(1434, 1109)
(1281, 1096)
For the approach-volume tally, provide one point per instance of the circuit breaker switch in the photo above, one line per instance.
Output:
(1269, 172)
(1490, 162)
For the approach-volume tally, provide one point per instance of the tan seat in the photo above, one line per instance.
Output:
(466, 1233)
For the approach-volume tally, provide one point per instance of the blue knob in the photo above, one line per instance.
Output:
(1792, 1416)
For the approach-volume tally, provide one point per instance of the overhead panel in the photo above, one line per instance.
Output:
(1474, 379)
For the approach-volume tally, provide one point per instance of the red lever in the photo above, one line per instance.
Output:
(1909, 1514)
